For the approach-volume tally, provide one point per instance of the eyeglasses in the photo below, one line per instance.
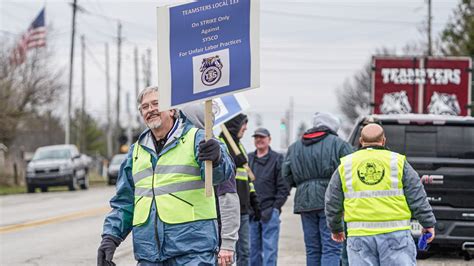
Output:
(145, 106)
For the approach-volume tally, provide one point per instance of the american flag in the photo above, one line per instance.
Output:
(34, 37)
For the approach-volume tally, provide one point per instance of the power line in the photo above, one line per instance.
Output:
(338, 19)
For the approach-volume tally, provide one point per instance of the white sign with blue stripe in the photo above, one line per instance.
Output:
(227, 107)
(206, 49)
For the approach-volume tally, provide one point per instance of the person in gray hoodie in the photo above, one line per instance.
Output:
(228, 200)
(308, 166)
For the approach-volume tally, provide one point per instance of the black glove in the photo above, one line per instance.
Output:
(210, 151)
(106, 250)
(257, 214)
(240, 160)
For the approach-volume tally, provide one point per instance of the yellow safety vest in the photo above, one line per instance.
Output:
(374, 202)
(241, 173)
(175, 184)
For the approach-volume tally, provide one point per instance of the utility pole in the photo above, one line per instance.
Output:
(71, 70)
(82, 130)
(146, 62)
(290, 117)
(430, 53)
(135, 59)
(129, 119)
(119, 59)
(137, 84)
(148, 53)
(107, 86)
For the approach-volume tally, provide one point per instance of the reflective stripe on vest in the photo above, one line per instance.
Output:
(252, 187)
(241, 174)
(175, 184)
(172, 188)
(378, 225)
(374, 202)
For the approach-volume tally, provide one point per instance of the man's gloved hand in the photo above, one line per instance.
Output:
(106, 250)
(257, 213)
(240, 160)
(210, 151)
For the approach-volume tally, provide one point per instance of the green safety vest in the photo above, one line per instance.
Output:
(374, 201)
(175, 184)
(240, 172)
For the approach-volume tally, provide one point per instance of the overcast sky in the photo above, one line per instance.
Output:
(308, 47)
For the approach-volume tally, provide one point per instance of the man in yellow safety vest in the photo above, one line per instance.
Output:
(377, 192)
(160, 192)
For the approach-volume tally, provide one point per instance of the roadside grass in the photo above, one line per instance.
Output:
(95, 180)
(6, 190)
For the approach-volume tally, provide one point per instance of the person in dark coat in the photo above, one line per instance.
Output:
(248, 198)
(272, 192)
(308, 166)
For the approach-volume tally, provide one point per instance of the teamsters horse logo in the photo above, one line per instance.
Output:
(371, 172)
(211, 69)
(444, 104)
(395, 103)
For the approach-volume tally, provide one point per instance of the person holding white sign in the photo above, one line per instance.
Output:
(160, 192)
(248, 198)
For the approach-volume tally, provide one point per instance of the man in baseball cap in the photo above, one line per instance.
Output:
(272, 191)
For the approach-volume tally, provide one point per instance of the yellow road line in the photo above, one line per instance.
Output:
(52, 220)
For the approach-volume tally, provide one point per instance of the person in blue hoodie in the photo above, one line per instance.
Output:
(160, 192)
(308, 166)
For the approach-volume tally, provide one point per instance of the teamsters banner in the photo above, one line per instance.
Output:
(431, 85)
(207, 49)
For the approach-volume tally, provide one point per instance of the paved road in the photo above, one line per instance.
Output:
(63, 228)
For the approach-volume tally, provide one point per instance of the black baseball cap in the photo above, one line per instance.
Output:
(262, 132)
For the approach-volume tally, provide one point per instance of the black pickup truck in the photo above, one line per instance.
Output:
(441, 150)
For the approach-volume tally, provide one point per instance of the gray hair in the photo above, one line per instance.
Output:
(151, 89)
(144, 92)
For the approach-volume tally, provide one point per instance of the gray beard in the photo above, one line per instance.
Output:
(154, 125)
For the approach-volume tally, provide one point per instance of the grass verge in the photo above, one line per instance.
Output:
(95, 180)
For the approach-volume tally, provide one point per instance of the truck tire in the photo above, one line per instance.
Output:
(73, 185)
(423, 255)
(44, 189)
(85, 183)
(30, 188)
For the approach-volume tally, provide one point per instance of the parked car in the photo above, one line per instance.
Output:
(114, 168)
(441, 150)
(57, 165)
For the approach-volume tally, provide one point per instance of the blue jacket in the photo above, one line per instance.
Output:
(156, 241)
(309, 164)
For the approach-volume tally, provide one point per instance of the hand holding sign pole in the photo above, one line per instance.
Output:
(236, 150)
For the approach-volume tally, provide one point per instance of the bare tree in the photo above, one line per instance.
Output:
(25, 88)
(355, 92)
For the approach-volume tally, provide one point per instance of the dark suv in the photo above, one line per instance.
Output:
(441, 149)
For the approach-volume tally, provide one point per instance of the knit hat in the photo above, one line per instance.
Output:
(235, 124)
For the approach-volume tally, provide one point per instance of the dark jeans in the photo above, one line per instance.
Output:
(264, 240)
(320, 248)
(243, 244)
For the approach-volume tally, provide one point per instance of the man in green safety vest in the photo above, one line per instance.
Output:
(245, 189)
(377, 192)
(160, 192)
